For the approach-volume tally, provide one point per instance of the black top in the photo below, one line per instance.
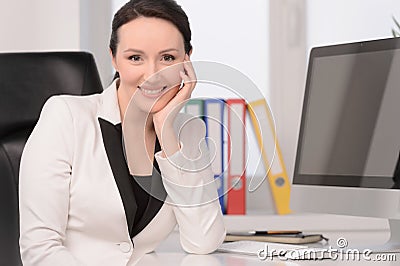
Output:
(141, 186)
(142, 196)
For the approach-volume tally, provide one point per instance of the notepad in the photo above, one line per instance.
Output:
(298, 238)
(254, 247)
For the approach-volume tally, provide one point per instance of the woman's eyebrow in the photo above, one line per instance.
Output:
(134, 50)
(142, 52)
(169, 50)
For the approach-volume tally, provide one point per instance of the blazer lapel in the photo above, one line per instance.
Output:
(110, 124)
(112, 139)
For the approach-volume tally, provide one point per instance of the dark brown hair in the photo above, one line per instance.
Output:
(164, 9)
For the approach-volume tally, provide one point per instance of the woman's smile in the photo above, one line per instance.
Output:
(152, 92)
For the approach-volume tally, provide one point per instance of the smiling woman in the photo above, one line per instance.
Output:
(99, 176)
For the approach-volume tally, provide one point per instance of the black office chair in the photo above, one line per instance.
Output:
(27, 80)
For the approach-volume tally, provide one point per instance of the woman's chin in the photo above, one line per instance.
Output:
(159, 105)
(156, 109)
(163, 100)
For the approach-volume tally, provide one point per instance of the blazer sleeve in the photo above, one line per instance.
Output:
(189, 182)
(44, 180)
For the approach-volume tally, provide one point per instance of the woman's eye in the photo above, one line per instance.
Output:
(168, 58)
(134, 58)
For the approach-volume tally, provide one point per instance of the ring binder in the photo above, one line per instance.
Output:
(266, 137)
(236, 203)
(214, 119)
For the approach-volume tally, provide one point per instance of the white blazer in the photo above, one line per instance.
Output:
(71, 212)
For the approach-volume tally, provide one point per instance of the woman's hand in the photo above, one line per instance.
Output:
(166, 116)
(163, 119)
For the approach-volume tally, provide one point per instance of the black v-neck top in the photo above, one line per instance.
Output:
(142, 196)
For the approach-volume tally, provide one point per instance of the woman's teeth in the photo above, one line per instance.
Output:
(153, 92)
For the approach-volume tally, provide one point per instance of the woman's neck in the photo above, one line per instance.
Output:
(141, 142)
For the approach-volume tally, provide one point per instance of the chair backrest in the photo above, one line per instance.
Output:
(27, 80)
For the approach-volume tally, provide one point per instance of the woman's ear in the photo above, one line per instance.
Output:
(190, 52)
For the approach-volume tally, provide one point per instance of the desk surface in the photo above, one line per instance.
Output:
(356, 230)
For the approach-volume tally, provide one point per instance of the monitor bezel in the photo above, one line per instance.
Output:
(384, 182)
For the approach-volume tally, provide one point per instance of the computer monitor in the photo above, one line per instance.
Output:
(347, 159)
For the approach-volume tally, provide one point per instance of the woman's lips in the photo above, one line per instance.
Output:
(152, 92)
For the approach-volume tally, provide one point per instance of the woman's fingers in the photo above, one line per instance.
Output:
(192, 79)
(189, 79)
(189, 82)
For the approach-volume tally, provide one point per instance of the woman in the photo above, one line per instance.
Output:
(81, 202)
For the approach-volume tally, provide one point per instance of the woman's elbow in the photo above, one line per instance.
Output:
(206, 245)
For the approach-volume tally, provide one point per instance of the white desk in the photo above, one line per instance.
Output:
(356, 230)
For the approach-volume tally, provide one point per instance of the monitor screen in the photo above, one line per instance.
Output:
(350, 128)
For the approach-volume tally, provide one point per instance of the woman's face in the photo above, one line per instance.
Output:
(147, 46)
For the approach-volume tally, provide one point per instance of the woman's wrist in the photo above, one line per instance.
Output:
(167, 138)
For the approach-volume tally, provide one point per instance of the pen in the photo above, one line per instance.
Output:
(269, 232)
(280, 232)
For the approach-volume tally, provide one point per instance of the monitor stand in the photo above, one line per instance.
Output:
(391, 246)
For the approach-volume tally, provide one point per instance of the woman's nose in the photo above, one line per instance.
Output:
(151, 73)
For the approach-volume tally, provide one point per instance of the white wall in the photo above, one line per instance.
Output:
(331, 22)
(234, 33)
(287, 72)
(94, 35)
(27, 25)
